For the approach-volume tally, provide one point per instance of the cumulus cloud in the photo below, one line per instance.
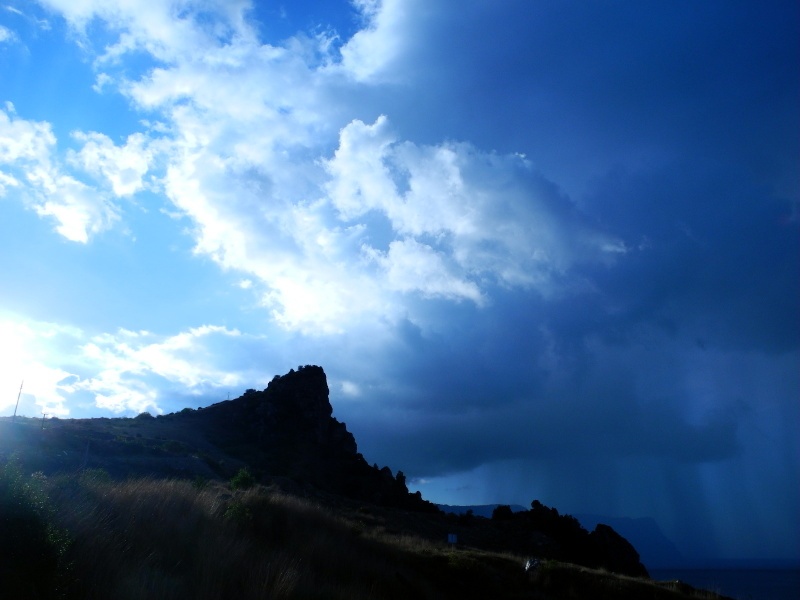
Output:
(492, 215)
(80, 210)
(27, 153)
(127, 361)
(122, 166)
(166, 30)
(368, 55)
(246, 139)
(65, 369)
(414, 267)
(24, 140)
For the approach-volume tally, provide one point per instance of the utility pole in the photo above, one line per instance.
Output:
(14, 418)
(44, 414)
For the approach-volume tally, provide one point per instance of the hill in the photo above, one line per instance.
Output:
(284, 433)
(266, 496)
(656, 549)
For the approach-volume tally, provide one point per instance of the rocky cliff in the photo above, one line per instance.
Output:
(287, 430)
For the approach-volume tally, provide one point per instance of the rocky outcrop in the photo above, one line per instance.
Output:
(654, 548)
(543, 532)
(615, 553)
(287, 430)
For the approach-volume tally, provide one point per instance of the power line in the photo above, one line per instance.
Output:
(14, 418)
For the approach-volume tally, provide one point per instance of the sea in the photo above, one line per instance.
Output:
(742, 584)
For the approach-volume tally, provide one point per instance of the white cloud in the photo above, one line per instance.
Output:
(369, 54)
(167, 30)
(350, 388)
(102, 81)
(360, 177)
(6, 35)
(42, 24)
(118, 395)
(7, 181)
(22, 140)
(27, 153)
(122, 166)
(79, 210)
(414, 267)
(338, 221)
(182, 358)
(63, 368)
(490, 218)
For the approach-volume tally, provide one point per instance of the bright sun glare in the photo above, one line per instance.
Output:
(22, 353)
(12, 362)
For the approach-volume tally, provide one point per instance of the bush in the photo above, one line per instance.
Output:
(242, 480)
(238, 513)
(31, 546)
(502, 513)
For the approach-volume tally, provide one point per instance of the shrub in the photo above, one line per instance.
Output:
(502, 513)
(238, 513)
(468, 518)
(242, 480)
(31, 546)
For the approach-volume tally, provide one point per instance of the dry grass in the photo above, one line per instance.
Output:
(172, 539)
(568, 582)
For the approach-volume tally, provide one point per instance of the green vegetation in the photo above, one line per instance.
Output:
(168, 538)
(243, 479)
(151, 538)
(32, 546)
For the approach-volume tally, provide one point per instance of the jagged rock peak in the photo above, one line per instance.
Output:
(289, 430)
(296, 406)
(304, 392)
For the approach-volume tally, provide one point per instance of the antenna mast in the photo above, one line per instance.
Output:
(14, 418)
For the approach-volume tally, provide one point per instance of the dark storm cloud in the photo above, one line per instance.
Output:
(581, 88)
(715, 256)
(670, 127)
(521, 384)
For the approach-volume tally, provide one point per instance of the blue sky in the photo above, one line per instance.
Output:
(542, 250)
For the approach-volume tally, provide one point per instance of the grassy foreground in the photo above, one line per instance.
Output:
(86, 536)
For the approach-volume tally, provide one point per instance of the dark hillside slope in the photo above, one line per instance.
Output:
(286, 437)
(284, 433)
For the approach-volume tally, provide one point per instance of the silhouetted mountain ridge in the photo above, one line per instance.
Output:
(287, 430)
(286, 435)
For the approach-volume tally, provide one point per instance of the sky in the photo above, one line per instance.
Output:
(543, 250)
